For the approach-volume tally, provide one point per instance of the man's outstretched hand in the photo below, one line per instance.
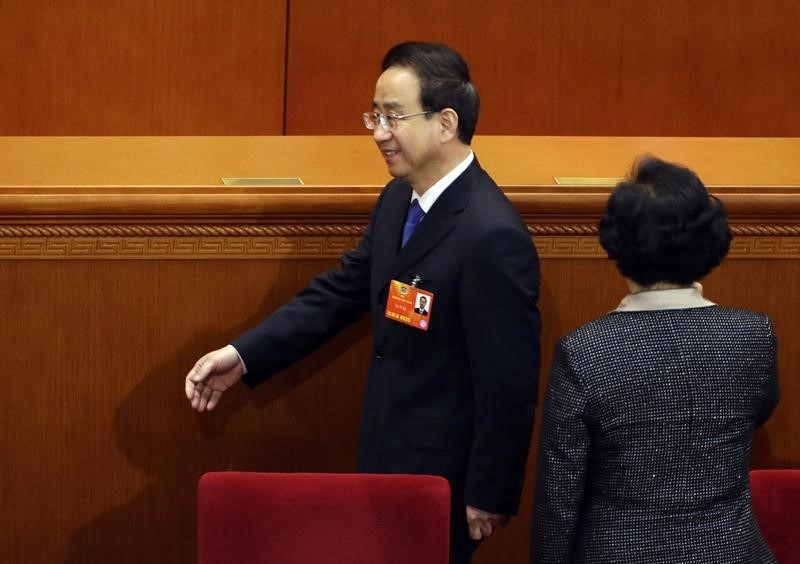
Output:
(211, 376)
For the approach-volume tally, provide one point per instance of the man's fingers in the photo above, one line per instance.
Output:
(479, 527)
(189, 388)
(203, 392)
(211, 376)
(482, 523)
(195, 378)
(214, 399)
(196, 394)
(474, 531)
(201, 370)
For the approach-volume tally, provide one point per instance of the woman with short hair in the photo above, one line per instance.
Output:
(650, 410)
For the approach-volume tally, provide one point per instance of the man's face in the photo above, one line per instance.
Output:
(422, 301)
(412, 147)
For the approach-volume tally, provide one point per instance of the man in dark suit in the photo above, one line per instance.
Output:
(455, 399)
(422, 306)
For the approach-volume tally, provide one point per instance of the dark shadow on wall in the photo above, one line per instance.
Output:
(160, 435)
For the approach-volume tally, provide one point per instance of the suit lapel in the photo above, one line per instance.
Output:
(395, 218)
(440, 220)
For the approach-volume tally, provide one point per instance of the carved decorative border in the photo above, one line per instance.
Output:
(765, 247)
(310, 241)
(175, 247)
(568, 247)
(742, 247)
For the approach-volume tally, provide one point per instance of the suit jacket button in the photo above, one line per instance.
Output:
(379, 355)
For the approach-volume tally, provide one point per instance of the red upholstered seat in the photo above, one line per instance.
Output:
(776, 502)
(248, 517)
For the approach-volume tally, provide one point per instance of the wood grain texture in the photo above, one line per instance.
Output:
(91, 163)
(128, 67)
(544, 67)
(101, 456)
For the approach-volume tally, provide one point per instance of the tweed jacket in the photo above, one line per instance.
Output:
(645, 442)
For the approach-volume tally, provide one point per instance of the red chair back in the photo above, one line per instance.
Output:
(776, 500)
(248, 517)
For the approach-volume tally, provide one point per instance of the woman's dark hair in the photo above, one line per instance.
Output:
(443, 79)
(662, 225)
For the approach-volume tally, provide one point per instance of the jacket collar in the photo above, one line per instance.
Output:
(432, 194)
(440, 219)
(675, 298)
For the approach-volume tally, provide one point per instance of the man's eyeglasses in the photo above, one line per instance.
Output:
(373, 119)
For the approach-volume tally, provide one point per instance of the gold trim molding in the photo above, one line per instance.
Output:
(334, 230)
(117, 230)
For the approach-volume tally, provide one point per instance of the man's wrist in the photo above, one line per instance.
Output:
(241, 360)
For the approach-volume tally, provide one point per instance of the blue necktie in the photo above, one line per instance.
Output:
(414, 216)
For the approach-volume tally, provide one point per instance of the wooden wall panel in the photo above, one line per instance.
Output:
(132, 67)
(543, 67)
(546, 67)
(101, 453)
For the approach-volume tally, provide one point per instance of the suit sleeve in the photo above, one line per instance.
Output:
(770, 389)
(332, 301)
(499, 293)
(561, 465)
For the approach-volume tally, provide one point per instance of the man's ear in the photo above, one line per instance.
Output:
(448, 118)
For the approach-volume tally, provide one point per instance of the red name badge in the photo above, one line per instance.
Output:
(408, 304)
